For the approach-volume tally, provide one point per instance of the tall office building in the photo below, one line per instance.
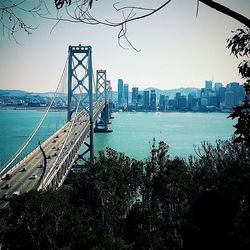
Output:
(120, 91)
(181, 101)
(229, 99)
(146, 99)
(217, 87)
(135, 91)
(235, 88)
(222, 91)
(153, 100)
(140, 100)
(208, 85)
(163, 103)
(212, 99)
(125, 93)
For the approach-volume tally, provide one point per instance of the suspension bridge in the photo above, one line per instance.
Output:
(89, 107)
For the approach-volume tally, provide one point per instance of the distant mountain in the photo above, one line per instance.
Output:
(171, 92)
(48, 94)
(22, 93)
(13, 92)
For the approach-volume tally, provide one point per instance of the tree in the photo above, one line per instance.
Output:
(240, 46)
(121, 203)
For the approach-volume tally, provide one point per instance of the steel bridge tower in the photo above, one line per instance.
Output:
(80, 75)
(102, 93)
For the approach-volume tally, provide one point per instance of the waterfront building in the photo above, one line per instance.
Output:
(235, 88)
(146, 100)
(192, 102)
(140, 99)
(163, 102)
(153, 100)
(212, 99)
(120, 91)
(172, 104)
(217, 87)
(222, 91)
(181, 101)
(125, 93)
(204, 103)
(208, 85)
(135, 91)
(229, 99)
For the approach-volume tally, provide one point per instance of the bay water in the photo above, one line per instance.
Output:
(133, 132)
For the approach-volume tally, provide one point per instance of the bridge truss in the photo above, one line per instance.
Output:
(82, 113)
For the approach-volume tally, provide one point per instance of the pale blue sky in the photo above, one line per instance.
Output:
(177, 49)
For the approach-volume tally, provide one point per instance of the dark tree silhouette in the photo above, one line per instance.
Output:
(240, 46)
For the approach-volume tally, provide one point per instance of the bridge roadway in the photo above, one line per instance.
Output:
(24, 181)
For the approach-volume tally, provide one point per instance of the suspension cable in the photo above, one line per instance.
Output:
(66, 140)
(25, 144)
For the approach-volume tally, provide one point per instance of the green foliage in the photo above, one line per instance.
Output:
(240, 46)
(120, 203)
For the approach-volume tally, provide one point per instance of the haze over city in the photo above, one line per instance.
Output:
(177, 49)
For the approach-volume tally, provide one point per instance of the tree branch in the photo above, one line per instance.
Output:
(223, 9)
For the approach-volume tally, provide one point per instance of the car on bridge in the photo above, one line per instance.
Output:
(22, 170)
(15, 194)
(32, 177)
(6, 177)
(6, 186)
(4, 197)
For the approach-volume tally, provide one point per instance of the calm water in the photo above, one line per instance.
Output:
(133, 133)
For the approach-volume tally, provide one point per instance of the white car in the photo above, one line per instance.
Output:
(16, 193)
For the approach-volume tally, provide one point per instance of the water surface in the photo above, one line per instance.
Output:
(132, 134)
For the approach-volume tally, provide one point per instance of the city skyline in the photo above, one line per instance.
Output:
(183, 52)
(212, 97)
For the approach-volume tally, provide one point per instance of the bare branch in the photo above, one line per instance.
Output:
(12, 19)
(219, 7)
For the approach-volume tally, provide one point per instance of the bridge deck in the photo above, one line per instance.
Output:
(24, 181)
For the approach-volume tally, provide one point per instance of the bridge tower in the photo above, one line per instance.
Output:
(102, 93)
(80, 75)
(110, 104)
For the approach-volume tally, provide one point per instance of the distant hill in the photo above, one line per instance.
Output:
(13, 92)
(22, 93)
(170, 92)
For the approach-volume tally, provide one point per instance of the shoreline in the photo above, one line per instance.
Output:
(33, 108)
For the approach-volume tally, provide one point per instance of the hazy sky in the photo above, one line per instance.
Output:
(177, 49)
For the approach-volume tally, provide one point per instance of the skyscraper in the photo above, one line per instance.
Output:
(125, 93)
(162, 103)
(135, 91)
(217, 87)
(229, 99)
(235, 87)
(212, 99)
(120, 91)
(181, 101)
(208, 85)
(222, 91)
(146, 99)
(153, 100)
